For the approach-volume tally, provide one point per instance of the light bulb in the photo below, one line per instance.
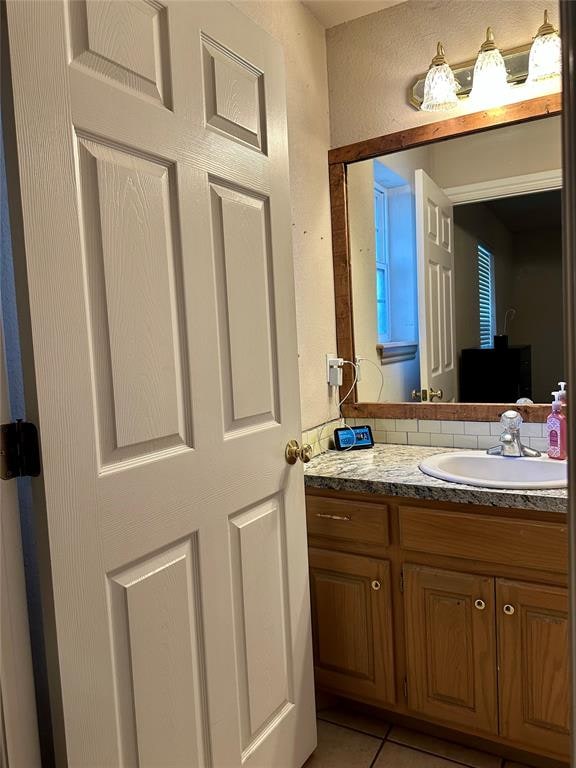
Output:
(440, 86)
(490, 80)
(545, 59)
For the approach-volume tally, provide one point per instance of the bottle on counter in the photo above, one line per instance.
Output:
(563, 395)
(557, 433)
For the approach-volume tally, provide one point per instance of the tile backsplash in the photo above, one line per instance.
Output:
(427, 432)
(319, 437)
(449, 434)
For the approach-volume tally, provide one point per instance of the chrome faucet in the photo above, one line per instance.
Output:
(510, 443)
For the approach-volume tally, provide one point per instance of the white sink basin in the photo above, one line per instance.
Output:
(477, 468)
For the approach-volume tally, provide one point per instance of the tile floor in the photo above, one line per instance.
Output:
(350, 740)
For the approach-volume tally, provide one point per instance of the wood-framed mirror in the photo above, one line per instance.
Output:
(447, 253)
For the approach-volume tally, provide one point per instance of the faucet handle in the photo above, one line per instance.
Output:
(511, 420)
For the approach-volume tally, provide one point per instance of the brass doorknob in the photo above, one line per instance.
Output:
(439, 393)
(294, 452)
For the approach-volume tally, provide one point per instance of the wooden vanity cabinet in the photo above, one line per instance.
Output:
(451, 646)
(457, 617)
(352, 624)
(533, 653)
(491, 654)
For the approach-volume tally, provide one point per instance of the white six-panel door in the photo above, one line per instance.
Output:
(435, 249)
(155, 199)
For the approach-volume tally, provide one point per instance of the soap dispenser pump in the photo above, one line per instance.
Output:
(562, 395)
(556, 426)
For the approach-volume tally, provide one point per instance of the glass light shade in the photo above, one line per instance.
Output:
(440, 86)
(490, 80)
(545, 59)
(440, 89)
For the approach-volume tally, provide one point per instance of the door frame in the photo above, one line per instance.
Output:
(568, 23)
(19, 742)
(19, 719)
(525, 184)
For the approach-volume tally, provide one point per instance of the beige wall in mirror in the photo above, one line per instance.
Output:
(497, 198)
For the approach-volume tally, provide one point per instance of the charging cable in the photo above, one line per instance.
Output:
(346, 396)
(379, 369)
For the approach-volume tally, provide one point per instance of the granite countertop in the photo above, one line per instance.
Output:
(392, 470)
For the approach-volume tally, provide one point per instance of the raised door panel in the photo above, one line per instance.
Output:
(352, 624)
(451, 646)
(261, 623)
(246, 310)
(159, 660)
(533, 635)
(123, 42)
(234, 95)
(134, 296)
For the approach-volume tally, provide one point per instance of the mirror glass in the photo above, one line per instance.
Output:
(456, 262)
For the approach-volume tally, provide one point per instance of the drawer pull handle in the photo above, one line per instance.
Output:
(480, 604)
(509, 609)
(376, 585)
(326, 516)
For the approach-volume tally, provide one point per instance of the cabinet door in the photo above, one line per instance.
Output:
(451, 646)
(533, 661)
(352, 624)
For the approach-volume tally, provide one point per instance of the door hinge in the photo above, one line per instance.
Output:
(405, 688)
(401, 581)
(19, 450)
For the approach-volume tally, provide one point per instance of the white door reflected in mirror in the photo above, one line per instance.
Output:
(435, 266)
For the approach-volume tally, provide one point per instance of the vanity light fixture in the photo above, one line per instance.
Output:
(441, 86)
(490, 79)
(545, 54)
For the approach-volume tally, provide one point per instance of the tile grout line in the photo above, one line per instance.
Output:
(386, 738)
(435, 754)
(356, 730)
(377, 755)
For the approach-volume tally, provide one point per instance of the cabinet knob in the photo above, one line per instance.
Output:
(480, 604)
(376, 585)
(509, 609)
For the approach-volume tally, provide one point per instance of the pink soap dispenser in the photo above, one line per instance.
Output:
(556, 425)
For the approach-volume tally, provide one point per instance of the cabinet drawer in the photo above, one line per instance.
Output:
(524, 543)
(344, 520)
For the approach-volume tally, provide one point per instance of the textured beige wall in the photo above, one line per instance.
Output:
(498, 154)
(372, 61)
(302, 38)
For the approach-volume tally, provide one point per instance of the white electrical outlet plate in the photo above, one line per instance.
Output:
(334, 370)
